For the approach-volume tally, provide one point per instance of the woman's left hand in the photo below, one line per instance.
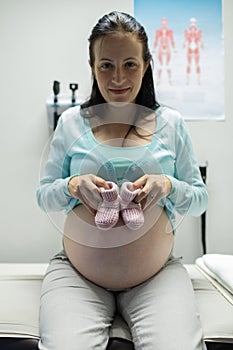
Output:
(153, 188)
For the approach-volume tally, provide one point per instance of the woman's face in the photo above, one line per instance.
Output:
(119, 67)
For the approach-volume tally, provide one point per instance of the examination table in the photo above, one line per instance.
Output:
(20, 286)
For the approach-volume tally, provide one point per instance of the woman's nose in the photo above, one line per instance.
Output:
(118, 75)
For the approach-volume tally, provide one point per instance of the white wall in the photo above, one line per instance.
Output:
(45, 40)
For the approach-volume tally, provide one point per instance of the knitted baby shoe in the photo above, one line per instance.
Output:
(107, 213)
(131, 212)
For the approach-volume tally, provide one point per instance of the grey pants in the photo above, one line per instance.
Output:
(76, 314)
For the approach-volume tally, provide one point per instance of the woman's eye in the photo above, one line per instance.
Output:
(105, 66)
(131, 65)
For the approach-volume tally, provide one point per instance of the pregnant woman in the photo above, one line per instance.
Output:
(120, 166)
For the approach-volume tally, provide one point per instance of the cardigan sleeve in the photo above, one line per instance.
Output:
(188, 195)
(52, 192)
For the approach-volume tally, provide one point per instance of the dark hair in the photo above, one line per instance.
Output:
(122, 22)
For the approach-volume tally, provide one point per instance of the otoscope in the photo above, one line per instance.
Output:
(56, 90)
(73, 88)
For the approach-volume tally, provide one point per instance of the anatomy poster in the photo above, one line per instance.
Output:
(186, 41)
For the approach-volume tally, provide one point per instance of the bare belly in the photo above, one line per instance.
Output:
(118, 258)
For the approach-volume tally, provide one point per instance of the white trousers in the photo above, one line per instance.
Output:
(76, 314)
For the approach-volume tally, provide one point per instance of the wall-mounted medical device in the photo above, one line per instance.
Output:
(58, 102)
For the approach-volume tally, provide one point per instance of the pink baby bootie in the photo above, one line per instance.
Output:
(131, 212)
(108, 211)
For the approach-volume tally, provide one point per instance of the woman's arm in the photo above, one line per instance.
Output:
(58, 188)
(52, 191)
(184, 190)
(188, 193)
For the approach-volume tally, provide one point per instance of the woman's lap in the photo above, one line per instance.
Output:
(161, 312)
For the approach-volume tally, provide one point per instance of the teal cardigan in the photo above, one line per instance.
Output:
(74, 150)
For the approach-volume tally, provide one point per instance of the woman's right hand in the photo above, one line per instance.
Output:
(87, 189)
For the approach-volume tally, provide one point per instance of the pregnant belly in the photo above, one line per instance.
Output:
(118, 258)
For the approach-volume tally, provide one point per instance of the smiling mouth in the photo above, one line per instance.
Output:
(119, 91)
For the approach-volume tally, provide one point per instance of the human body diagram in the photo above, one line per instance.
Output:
(164, 47)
